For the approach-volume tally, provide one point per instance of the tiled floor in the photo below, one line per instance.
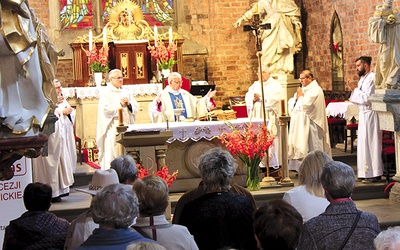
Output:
(388, 213)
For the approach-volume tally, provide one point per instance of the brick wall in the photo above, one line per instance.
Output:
(231, 61)
(354, 16)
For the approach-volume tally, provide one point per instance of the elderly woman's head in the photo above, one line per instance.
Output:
(115, 206)
(311, 169)
(217, 168)
(338, 180)
(152, 192)
(125, 166)
(175, 81)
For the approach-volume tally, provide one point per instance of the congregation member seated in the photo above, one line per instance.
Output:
(174, 97)
(37, 228)
(219, 218)
(310, 190)
(200, 191)
(388, 239)
(277, 225)
(83, 225)
(114, 208)
(152, 192)
(342, 225)
(125, 166)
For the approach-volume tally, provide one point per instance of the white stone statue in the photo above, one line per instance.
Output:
(283, 40)
(384, 29)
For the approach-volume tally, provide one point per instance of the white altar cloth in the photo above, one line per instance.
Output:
(94, 92)
(345, 110)
(197, 130)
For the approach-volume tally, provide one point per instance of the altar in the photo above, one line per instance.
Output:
(188, 142)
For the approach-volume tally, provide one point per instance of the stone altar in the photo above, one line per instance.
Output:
(189, 140)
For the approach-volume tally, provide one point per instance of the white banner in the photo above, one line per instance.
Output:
(11, 193)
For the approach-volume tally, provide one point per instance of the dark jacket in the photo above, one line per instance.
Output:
(36, 230)
(218, 220)
(329, 229)
(199, 191)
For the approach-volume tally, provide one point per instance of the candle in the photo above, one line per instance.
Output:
(129, 18)
(90, 39)
(155, 35)
(283, 108)
(120, 117)
(170, 34)
(2, 114)
(104, 37)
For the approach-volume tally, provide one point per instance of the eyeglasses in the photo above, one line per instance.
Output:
(118, 78)
(302, 78)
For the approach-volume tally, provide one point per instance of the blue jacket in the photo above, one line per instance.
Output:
(116, 239)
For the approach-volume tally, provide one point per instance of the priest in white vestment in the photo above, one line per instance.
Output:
(112, 98)
(57, 168)
(272, 96)
(174, 97)
(369, 138)
(308, 121)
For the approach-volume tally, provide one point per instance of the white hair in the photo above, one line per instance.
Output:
(388, 239)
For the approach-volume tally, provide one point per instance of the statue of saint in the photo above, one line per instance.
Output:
(384, 29)
(26, 64)
(283, 40)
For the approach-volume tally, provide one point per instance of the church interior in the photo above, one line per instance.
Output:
(210, 49)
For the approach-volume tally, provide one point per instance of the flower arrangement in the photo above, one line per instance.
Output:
(165, 56)
(250, 145)
(98, 59)
(162, 173)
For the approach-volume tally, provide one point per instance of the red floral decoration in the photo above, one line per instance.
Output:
(252, 142)
(165, 56)
(163, 173)
(250, 145)
(98, 59)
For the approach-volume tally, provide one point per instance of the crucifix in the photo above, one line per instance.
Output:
(257, 26)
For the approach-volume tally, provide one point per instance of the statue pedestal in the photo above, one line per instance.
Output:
(387, 103)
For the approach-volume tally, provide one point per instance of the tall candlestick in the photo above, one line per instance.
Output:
(90, 39)
(155, 35)
(170, 34)
(120, 117)
(283, 108)
(105, 37)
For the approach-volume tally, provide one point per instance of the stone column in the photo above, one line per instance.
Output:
(387, 103)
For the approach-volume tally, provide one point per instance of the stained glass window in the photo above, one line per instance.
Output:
(158, 12)
(76, 14)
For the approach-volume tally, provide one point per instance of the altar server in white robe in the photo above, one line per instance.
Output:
(57, 168)
(369, 138)
(308, 121)
(174, 97)
(272, 96)
(112, 98)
